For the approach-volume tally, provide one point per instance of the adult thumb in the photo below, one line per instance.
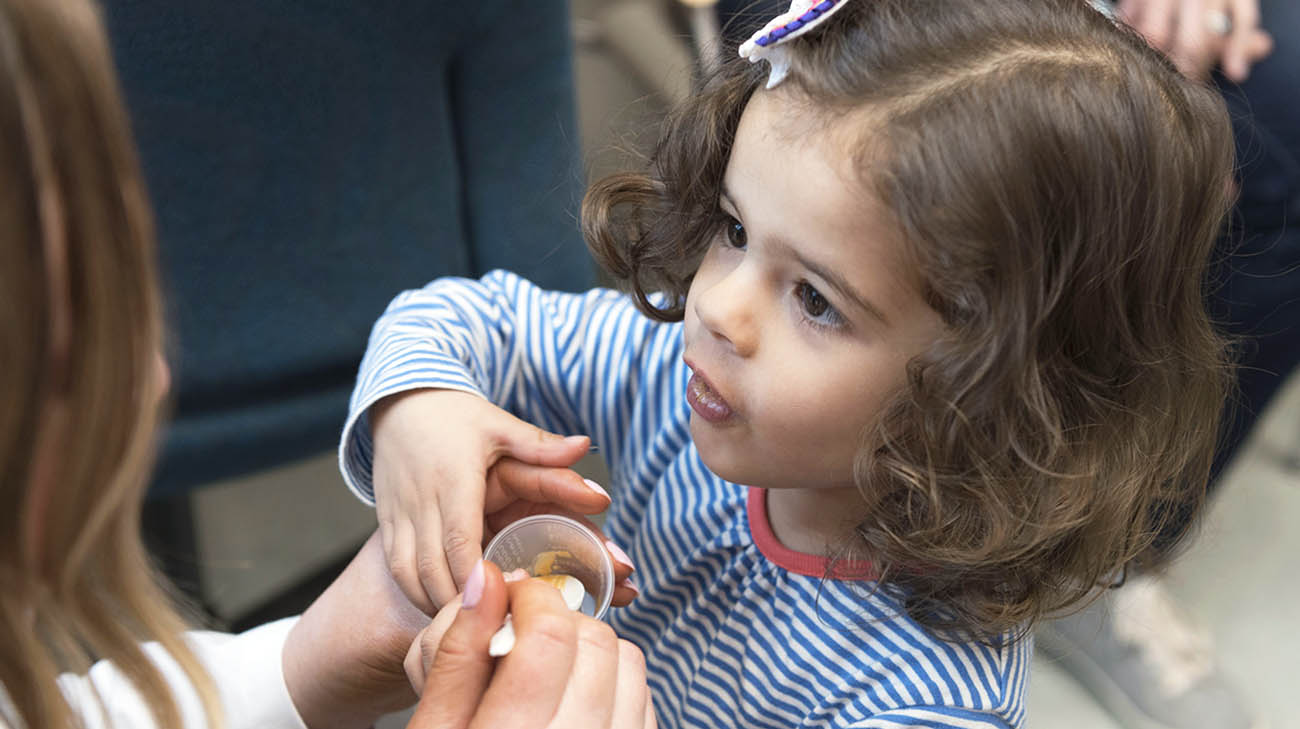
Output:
(461, 667)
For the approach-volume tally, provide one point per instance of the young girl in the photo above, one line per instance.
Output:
(915, 353)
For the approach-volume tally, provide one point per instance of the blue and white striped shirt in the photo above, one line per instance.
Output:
(736, 629)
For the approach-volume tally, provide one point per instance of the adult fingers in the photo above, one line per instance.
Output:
(588, 701)
(530, 682)
(1195, 44)
(624, 589)
(623, 566)
(1154, 19)
(458, 676)
(510, 479)
(419, 658)
(1243, 47)
(632, 705)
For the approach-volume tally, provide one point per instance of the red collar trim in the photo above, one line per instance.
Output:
(800, 563)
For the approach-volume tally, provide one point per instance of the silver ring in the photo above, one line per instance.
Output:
(1218, 22)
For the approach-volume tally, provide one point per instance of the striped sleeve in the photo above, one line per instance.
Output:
(555, 359)
(933, 717)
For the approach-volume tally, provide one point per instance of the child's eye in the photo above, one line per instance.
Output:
(815, 306)
(736, 235)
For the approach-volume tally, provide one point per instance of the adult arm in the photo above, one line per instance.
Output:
(337, 666)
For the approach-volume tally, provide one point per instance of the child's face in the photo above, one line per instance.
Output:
(801, 318)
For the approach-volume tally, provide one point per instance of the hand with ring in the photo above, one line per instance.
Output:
(1199, 35)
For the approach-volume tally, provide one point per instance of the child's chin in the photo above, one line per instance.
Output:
(723, 462)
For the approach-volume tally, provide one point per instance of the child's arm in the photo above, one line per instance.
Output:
(424, 433)
(934, 717)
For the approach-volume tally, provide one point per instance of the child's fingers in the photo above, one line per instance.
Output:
(385, 516)
(510, 479)
(441, 548)
(528, 443)
(402, 565)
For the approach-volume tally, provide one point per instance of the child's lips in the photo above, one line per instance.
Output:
(706, 401)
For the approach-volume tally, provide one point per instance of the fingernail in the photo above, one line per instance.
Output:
(596, 487)
(516, 575)
(619, 555)
(575, 440)
(473, 587)
(629, 584)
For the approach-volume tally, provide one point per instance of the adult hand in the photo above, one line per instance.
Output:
(509, 471)
(434, 452)
(1200, 34)
(342, 661)
(566, 670)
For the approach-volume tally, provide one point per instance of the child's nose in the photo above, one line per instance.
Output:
(727, 310)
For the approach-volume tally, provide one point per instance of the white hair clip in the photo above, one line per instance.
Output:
(803, 16)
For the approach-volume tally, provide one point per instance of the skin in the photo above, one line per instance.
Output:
(804, 366)
(1179, 28)
(343, 661)
(566, 670)
(445, 463)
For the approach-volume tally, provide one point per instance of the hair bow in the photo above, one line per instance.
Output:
(803, 16)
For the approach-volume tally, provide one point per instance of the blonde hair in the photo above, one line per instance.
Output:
(80, 324)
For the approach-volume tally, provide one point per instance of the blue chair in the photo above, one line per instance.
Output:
(307, 160)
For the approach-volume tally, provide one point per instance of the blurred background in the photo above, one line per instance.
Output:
(310, 160)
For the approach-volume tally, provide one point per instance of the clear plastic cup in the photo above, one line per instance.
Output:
(551, 544)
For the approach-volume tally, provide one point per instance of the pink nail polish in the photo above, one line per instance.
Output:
(619, 555)
(631, 586)
(596, 487)
(473, 587)
(516, 575)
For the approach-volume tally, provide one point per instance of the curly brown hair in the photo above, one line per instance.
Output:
(1059, 187)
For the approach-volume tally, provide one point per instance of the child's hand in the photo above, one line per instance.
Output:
(434, 450)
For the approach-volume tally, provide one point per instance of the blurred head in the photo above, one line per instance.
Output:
(80, 372)
(1050, 188)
